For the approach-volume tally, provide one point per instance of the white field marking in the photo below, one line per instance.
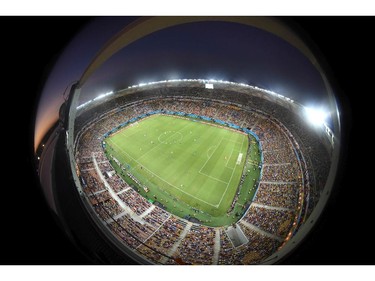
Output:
(208, 150)
(222, 127)
(156, 146)
(163, 179)
(234, 166)
(216, 179)
(123, 129)
(165, 141)
(121, 132)
(226, 164)
(239, 142)
(211, 155)
(239, 159)
(211, 177)
(229, 180)
(236, 142)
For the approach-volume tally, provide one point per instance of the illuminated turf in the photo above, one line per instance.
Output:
(190, 167)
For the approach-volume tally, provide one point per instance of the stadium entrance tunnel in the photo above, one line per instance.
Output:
(175, 172)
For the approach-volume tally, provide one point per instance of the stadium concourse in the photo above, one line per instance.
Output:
(290, 184)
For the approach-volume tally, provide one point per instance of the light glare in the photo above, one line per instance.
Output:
(316, 116)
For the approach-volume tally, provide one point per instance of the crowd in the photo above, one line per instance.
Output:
(141, 231)
(163, 239)
(136, 202)
(226, 249)
(123, 236)
(259, 248)
(282, 173)
(161, 230)
(277, 195)
(92, 182)
(198, 245)
(278, 156)
(117, 183)
(99, 196)
(156, 217)
(277, 222)
(111, 207)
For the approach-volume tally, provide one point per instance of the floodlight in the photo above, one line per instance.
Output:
(316, 116)
(132, 173)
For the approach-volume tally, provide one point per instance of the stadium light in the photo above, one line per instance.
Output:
(207, 82)
(316, 116)
(103, 95)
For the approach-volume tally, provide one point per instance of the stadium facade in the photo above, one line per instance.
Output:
(111, 222)
(295, 169)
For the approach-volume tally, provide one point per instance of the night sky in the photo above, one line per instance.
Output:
(217, 50)
(343, 235)
(207, 50)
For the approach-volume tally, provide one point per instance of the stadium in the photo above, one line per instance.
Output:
(273, 192)
(190, 171)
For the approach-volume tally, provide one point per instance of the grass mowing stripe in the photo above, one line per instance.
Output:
(165, 180)
(156, 146)
(229, 179)
(186, 164)
(200, 170)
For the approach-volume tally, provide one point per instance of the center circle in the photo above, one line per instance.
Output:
(170, 137)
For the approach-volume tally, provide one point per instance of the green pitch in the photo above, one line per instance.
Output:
(190, 167)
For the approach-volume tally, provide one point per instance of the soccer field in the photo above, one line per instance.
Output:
(192, 168)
